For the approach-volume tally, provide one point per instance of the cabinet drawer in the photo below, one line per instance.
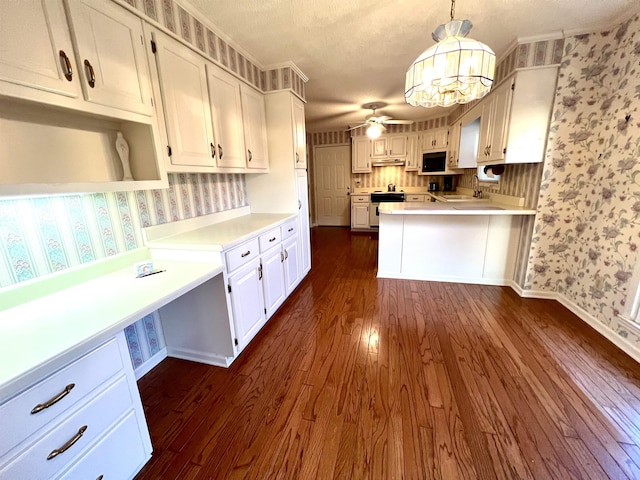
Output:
(241, 254)
(414, 198)
(96, 416)
(119, 454)
(360, 198)
(289, 229)
(85, 374)
(270, 239)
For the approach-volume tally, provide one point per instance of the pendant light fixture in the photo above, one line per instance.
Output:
(454, 70)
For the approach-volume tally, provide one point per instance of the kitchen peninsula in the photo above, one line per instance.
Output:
(465, 242)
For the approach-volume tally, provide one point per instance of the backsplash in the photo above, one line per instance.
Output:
(518, 180)
(48, 234)
(382, 176)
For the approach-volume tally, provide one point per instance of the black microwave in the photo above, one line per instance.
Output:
(434, 162)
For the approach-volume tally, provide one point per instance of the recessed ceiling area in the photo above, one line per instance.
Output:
(358, 51)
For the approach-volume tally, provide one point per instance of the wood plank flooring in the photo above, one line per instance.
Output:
(356, 377)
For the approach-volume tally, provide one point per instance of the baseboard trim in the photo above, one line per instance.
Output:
(612, 336)
(150, 363)
(620, 342)
(498, 282)
(200, 357)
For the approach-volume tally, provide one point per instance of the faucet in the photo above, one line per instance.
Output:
(477, 193)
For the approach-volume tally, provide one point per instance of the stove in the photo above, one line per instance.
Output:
(376, 199)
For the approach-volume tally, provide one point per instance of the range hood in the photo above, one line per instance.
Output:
(388, 162)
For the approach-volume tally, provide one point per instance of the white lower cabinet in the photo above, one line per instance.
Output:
(360, 212)
(273, 280)
(291, 269)
(114, 456)
(57, 425)
(247, 302)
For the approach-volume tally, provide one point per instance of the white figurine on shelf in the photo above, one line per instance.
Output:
(123, 151)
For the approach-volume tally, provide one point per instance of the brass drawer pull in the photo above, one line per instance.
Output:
(250, 155)
(248, 252)
(54, 400)
(68, 74)
(92, 74)
(213, 150)
(272, 239)
(220, 152)
(54, 453)
(290, 230)
(286, 254)
(100, 477)
(281, 257)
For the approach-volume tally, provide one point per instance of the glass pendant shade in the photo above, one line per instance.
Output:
(454, 70)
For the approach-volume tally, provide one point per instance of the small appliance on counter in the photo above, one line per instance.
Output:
(434, 186)
(448, 183)
(391, 187)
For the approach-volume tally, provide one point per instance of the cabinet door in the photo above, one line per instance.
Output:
(501, 112)
(397, 146)
(247, 302)
(453, 150)
(36, 47)
(255, 128)
(379, 147)
(360, 157)
(435, 140)
(303, 223)
(360, 215)
(300, 135)
(486, 129)
(111, 54)
(414, 154)
(441, 139)
(226, 115)
(291, 268)
(183, 81)
(273, 282)
(428, 141)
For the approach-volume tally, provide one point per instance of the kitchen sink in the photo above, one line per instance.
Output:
(458, 198)
(476, 207)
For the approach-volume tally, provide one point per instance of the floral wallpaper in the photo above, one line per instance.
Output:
(587, 231)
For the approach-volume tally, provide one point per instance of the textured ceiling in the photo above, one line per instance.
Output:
(357, 51)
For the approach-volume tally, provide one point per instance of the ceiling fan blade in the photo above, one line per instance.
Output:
(399, 122)
(358, 126)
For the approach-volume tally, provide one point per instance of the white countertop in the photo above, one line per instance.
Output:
(40, 335)
(223, 235)
(480, 207)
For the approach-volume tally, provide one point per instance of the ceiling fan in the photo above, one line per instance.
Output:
(376, 123)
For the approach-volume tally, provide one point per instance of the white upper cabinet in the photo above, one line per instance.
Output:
(515, 118)
(299, 134)
(414, 155)
(226, 112)
(111, 55)
(435, 140)
(389, 146)
(360, 154)
(183, 82)
(36, 47)
(453, 150)
(255, 128)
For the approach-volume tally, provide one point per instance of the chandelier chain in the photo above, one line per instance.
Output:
(453, 8)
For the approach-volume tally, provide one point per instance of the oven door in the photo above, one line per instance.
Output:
(374, 215)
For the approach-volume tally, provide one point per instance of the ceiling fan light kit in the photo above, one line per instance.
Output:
(376, 124)
(454, 70)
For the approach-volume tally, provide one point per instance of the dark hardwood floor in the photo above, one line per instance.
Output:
(357, 377)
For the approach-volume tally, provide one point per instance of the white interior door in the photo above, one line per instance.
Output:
(332, 168)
